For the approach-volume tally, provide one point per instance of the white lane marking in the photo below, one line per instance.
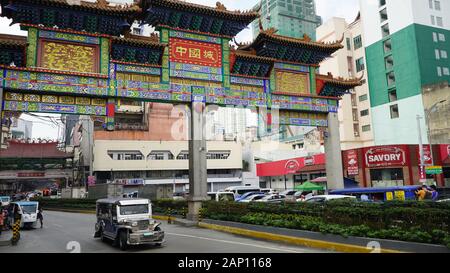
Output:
(237, 243)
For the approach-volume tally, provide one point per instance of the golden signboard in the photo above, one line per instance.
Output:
(294, 83)
(69, 57)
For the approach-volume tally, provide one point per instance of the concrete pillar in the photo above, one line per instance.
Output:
(1, 117)
(198, 186)
(335, 174)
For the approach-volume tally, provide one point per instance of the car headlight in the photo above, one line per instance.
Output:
(134, 224)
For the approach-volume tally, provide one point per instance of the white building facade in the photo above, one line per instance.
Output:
(355, 122)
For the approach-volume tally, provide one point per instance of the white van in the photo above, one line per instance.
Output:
(221, 196)
(240, 190)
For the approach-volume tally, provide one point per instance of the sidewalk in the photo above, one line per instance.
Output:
(5, 238)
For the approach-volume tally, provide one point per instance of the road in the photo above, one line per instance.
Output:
(61, 228)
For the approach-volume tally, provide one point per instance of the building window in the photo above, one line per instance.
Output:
(218, 154)
(349, 45)
(441, 37)
(392, 95)
(390, 78)
(387, 45)
(183, 155)
(363, 97)
(385, 30)
(439, 71)
(382, 3)
(436, 53)
(439, 21)
(364, 113)
(435, 37)
(445, 71)
(430, 4)
(160, 155)
(357, 41)
(433, 21)
(383, 15)
(366, 128)
(437, 5)
(394, 111)
(360, 64)
(443, 54)
(389, 62)
(356, 130)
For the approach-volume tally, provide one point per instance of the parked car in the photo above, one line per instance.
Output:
(325, 198)
(272, 198)
(248, 194)
(268, 191)
(179, 196)
(253, 198)
(288, 192)
(127, 222)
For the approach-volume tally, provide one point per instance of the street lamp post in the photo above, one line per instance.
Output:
(427, 120)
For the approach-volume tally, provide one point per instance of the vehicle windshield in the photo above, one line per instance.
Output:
(4, 198)
(134, 209)
(29, 208)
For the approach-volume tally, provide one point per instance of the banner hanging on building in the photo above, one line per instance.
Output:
(352, 162)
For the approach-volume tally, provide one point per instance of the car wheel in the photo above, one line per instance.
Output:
(123, 238)
(158, 244)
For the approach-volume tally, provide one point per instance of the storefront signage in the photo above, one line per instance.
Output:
(35, 174)
(309, 161)
(292, 166)
(444, 151)
(385, 156)
(192, 52)
(434, 170)
(136, 181)
(427, 160)
(399, 195)
(352, 162)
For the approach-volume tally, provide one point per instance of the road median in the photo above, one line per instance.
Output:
(299, 237)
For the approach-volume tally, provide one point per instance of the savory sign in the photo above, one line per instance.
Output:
(385, 156)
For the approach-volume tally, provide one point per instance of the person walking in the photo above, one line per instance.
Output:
(40, 216)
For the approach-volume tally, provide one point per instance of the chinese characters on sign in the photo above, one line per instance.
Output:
(190, 52)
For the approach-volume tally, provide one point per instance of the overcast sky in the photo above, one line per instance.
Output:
(347, 9)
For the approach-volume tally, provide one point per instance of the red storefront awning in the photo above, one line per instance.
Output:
(291, 166)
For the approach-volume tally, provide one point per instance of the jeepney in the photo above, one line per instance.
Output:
(127, 222)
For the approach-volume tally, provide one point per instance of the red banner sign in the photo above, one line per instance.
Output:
(192, 52)
(352, 162)
(444, 151)
(40, 174)
(426, 155)
(385, 156)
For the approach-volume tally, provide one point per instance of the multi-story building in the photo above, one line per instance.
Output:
(292, 18)
(166, 162)
(407, 47)
(355, 122)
